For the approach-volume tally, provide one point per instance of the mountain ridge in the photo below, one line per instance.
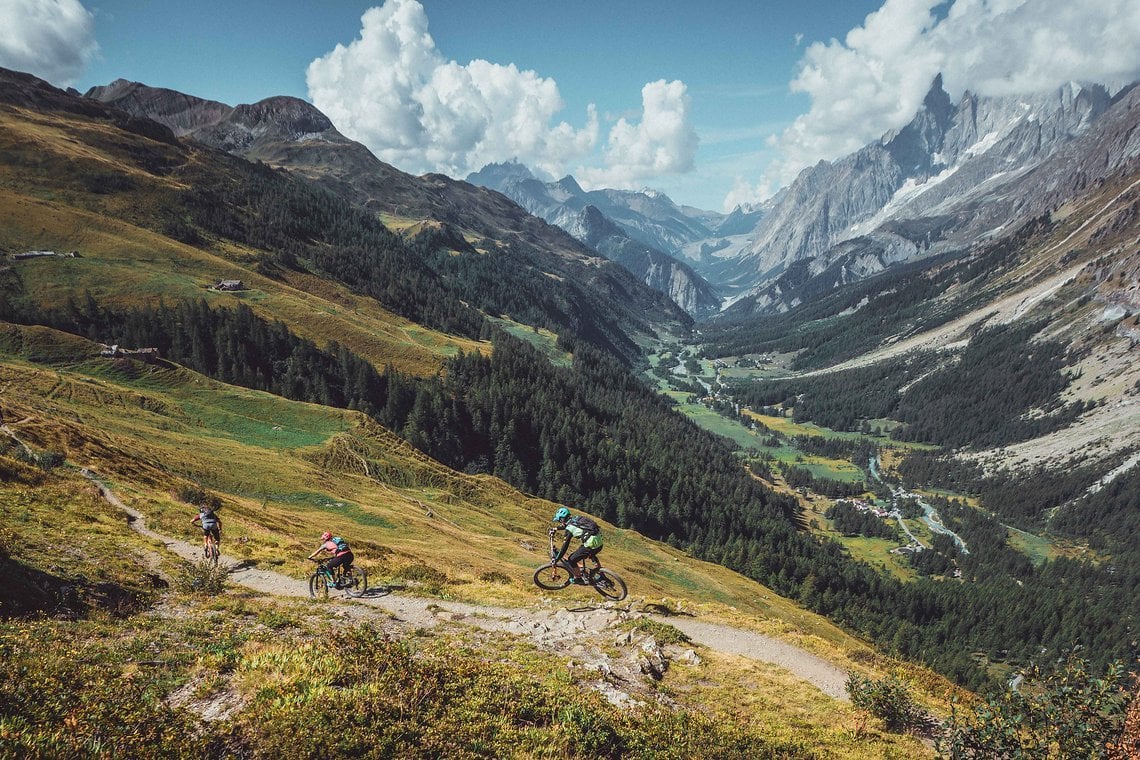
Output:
(607, 302)
(973, 167)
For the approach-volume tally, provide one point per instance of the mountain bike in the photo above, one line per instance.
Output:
(210, 548)
(353, 582)
(554, 576)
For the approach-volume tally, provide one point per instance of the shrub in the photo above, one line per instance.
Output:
(1067, 712)
(430, 580)
(201, 577)
(888, 699)
(494, 576)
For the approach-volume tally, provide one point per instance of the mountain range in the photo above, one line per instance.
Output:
(956, 175)
(601, 298)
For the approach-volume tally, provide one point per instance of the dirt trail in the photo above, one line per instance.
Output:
(558, 628)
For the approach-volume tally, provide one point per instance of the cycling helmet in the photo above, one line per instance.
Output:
(562, 514)
(326, 536)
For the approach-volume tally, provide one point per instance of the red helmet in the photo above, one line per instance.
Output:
(326, 536)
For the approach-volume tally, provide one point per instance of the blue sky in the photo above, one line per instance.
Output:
(714, 103)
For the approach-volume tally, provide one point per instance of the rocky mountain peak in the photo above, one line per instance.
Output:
(183, 114)
(916, 146)
(569, 185)
(284, 115)
(495, 175)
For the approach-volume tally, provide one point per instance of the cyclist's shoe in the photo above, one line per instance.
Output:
(580, 581)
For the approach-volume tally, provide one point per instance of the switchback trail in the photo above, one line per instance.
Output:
(551, 627)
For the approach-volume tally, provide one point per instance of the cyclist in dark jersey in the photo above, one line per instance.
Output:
(210, 523)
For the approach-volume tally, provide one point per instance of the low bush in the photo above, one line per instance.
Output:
(888, 699)
(662, 632)
(1061, 712)
(201, 577)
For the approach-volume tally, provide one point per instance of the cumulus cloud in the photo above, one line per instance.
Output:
(392, 90)
(663, 142)
(53, 39)
(875, 79)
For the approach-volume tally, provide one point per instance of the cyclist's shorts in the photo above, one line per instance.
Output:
(217, 534)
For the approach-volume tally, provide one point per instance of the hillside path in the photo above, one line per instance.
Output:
(547, 626)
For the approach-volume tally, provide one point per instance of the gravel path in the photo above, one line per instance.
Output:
(547, 626)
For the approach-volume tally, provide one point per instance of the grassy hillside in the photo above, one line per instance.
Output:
(285, 471)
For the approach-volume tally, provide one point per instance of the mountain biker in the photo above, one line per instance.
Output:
(582, 528)
(210, 523)
(338, 547)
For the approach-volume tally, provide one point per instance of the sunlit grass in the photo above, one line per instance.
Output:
(542, 339)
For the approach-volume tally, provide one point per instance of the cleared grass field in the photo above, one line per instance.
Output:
(125, 266)
(544, 340)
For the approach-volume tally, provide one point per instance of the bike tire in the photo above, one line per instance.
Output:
(551, 577)
(357, 582)
(318, 586)
(609, 584)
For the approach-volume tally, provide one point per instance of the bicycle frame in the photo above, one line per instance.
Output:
(563, 562)
(332, 579)
(558, 574)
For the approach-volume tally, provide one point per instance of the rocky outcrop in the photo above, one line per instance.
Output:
(641, 231)
(656, 269)
(648, 216)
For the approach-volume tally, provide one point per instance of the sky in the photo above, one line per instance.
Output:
(716, 104)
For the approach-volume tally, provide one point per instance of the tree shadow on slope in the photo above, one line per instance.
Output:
(26, 591)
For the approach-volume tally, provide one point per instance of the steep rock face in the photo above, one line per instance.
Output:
(622, 232)
(658, 270)
(954, 175)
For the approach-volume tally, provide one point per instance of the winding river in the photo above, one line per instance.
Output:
(930, 514)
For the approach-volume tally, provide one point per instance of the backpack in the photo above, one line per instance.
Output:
(341, 544)
(208, 518)
(588, 526)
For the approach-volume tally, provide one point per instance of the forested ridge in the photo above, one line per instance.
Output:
(856, 318)
(434, 278)
(981, 398)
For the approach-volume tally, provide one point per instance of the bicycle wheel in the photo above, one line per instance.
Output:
(356, 581)
(212, 554)
(609, 584)
(551, 577)
(318, 586)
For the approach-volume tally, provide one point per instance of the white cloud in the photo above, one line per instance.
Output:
(392, 90)
(52, 39)
(663, 142)
(875, 79)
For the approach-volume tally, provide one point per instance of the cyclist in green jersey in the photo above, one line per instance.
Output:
(587, 531)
